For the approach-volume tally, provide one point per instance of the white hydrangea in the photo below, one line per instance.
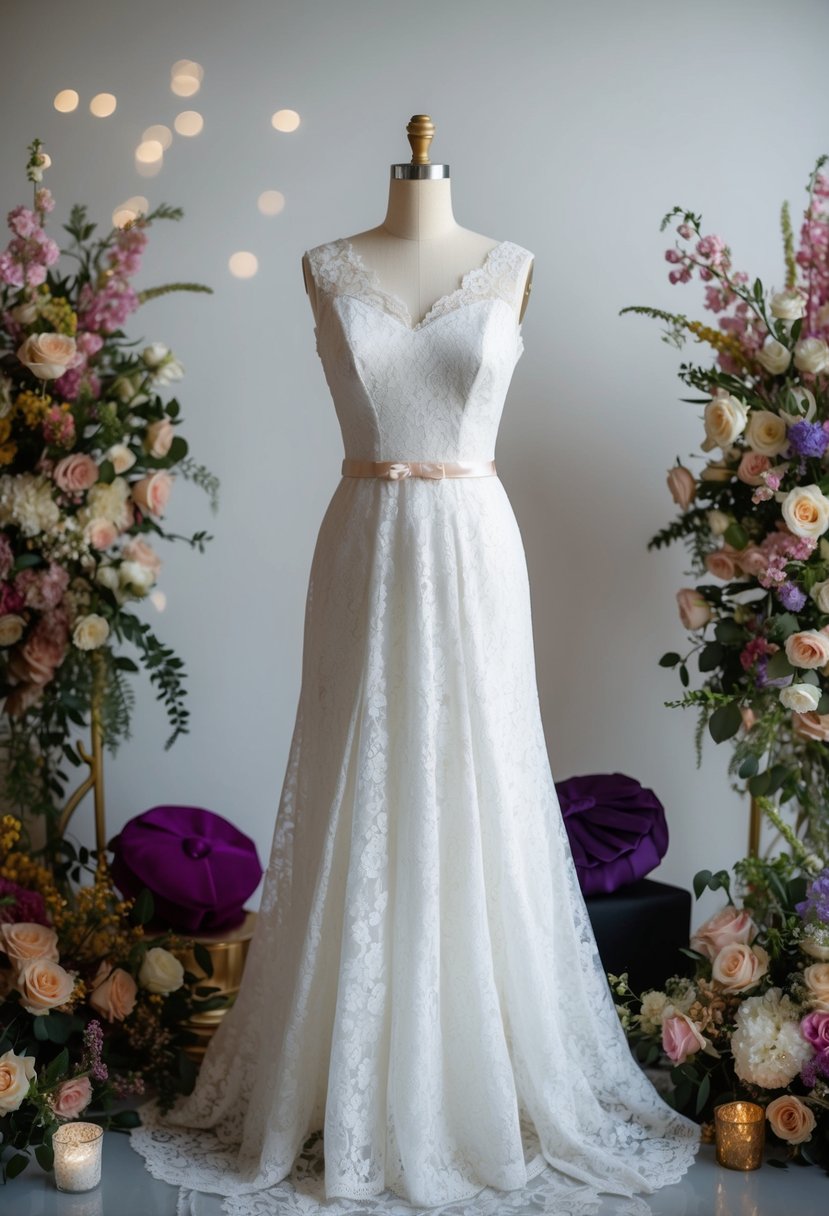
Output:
(26, 500)
(767, 1045)
(107, 501)
(654, 1004)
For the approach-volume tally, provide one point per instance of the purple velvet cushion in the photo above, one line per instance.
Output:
(198, 866)
(616, 827)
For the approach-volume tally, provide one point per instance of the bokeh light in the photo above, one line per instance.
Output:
(243, 265)
(149, 151)
(271, 202)
(161, 133)
(285, 120)
(103, 104)
(189, 122)
(159, 599)
(130, 210)
(66, 101)
(185, 77)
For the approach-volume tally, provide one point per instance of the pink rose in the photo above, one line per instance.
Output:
(159, 437)
(151, 493)
(815, 1029)
(35, 660)
(680, 1038)
(752, 465)
(738, 966)
(722, 563)
(101, 533)
(811, 725)
(75, 473)
(807, 648)
(137, 550)
(752, 560)
(725, 927)
(790, 1119)
(71, 1097)
(694, 611)
(682, 485)
(26, 940)
(113, 992)
(43, 985)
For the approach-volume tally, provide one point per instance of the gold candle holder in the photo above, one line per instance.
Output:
(77, 1148)
(740, 1134)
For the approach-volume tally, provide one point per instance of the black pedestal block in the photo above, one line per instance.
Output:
(640, 929)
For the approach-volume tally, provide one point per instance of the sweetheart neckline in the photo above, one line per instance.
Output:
(426, 322)
(373, 280)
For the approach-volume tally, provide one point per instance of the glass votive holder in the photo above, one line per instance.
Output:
(77, 1148)
(740, 1135)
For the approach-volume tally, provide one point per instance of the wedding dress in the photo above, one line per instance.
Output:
(424, 1019)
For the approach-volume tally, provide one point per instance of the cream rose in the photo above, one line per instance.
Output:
(814, 949)
(47, 356)
(811, 355)
(159, 437)
(724, 928)
(718, 521)
(724, 419)
(161, 971)
(113, 992)
(16, 1075)
(802, 698)
(807, 648)
(43, 985)
(790, 1119)
(11, 628)
(820, 594)
(121, 457)
(90, 632)
(817, 981)
(75, 473)
(806, 511)
(71, 1097)
(25, 940)
(135, 578)
(152, 493)
(774, 357)
(694, 611)
(740, 966)
(682, 485)
(766, 433)
(787, 305)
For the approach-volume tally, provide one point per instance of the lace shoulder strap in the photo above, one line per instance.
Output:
(503, 273)
(338, 269)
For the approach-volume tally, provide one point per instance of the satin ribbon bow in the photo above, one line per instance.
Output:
(425, 468)
(399, 469)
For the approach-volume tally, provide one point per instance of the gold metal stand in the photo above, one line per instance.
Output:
(228, 953)
(755, 822)
(95, 760)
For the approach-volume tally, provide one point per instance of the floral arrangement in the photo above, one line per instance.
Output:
(87, 445)
(92, 1008)
(752, 1021)
(754, 517)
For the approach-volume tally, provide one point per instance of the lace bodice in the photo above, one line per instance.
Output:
(430, 391)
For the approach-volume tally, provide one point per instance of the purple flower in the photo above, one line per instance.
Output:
(93, 1042)
(807, 439)
(816, 904)
(28, 905)
(818, 1066)
(791, 596)
(762, 680)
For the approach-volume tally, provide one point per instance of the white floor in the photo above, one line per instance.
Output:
(707, 1190)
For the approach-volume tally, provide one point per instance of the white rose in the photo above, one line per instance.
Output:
(802, 698)
(161, 971)
(766, 433)
(774, 357)
(107, 576)
(11, 628)
(806, 511)
(25, 313)
(90, 632)
(787, 305)
(135, 578)
(16, 1074)
(162, 363)
(811, 355)
(121, 457)
(805, 400)
(169, 372)
(126, 389)
(724, 418)
(155, 354)
(718, 521)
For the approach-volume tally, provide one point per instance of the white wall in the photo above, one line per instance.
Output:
(570, 129)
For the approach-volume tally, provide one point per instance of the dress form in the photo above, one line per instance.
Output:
(419, 253)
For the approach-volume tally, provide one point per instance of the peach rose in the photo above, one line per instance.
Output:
(137, 550)
(814, 949)
(722, 563)
(113, 992)
(724, 928)
(159, 437)
(34, 661)
(43, 985)
(811, 725)
(25, 940)
(16, 1074)
(71, 1097)
(751, 466)
(151, 493)
(817, 981)
(752, 560)
(807, 648)
(680, 1038)
(101, 533)
(694, 611)
(682, 485)
(75, 473)
(48, 356)
(739, 966)
(790, 1119)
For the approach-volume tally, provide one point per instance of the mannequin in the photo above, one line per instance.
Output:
(419, 252)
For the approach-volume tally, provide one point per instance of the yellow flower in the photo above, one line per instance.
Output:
(716, 338)
(8, 451)
(32, 407)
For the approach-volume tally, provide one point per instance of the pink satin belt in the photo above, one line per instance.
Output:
(393, 470)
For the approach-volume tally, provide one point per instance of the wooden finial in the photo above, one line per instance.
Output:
(420, 131)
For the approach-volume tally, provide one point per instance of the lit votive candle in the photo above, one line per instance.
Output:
(740, 1129)
(78, 1156)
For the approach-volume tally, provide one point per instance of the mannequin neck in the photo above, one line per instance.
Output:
(420, 210)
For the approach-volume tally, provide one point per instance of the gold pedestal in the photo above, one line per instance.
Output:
(228, 952)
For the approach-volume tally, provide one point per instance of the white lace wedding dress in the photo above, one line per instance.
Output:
(423, 1002)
